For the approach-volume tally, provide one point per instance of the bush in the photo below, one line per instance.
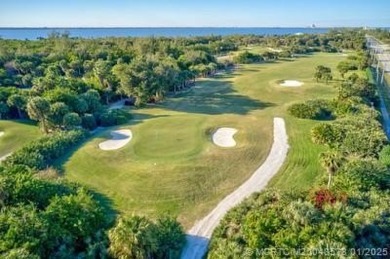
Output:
(384, 155)
(358, 135)
(40, 153)
(302, 111)
(114, 117)
(318, 109)
(88, 121)
(138, 237)
(71, 120)
(26, 188)
(247, 58)
(327, 134)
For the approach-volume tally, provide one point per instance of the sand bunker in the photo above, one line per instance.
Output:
(291, 83)
(119, 139)
(1, 133)
(275, 50)
(223, 137)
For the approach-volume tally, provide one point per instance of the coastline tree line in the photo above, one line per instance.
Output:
(64, 83)
(81, 76)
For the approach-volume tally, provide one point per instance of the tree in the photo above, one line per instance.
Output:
(19, 102)
(57, 112)
(22, 227)
(71, 120)
(74, 219)
(331, 161)
(38, 109)
(102, 71)
(327, 77)
(170, 238)
(269, 55)
(92, 99)
(3, 109)
(323, 73)
(132, 237)
(88, 121)
(344, 66)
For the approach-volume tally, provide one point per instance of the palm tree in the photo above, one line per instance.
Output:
(132, 238)
(331, 161)
(38, 109)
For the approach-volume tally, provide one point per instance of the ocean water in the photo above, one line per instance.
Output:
(34, 33)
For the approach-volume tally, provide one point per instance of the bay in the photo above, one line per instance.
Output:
(35, 33)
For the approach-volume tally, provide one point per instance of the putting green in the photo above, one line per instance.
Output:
(170, 137)
(172, 166)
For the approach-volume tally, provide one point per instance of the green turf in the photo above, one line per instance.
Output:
(171, 166)
(16, 133)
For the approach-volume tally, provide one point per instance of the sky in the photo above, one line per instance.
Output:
(199, 13)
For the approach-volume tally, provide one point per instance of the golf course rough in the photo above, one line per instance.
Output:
(198, 236)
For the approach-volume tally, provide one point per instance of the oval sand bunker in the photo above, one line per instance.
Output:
(223, 137)
(291, 83)
(119, 139)
(1, 133)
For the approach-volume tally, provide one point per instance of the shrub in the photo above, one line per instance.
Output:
(326, 134)
(313, 109)
(247, 58)
(323, 196)
(71, 120)
(88, 121)
(40, 153)
(384, 155)
(114, 117)
(139, 237)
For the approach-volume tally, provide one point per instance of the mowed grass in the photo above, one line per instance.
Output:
(171, 166)
(16, 134)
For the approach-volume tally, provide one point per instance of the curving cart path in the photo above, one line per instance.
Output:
(199, 235)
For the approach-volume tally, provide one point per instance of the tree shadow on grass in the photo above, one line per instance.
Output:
(24, 121)
(107, 205)
(104, 201)
(214, 97)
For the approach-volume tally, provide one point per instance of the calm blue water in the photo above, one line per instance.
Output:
(34, 33)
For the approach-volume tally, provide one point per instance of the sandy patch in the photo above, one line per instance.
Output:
(291, 83)
(1, 133)
(223, 137)
(5, 157)
(199, 235)
(119, 139)
(275, 50)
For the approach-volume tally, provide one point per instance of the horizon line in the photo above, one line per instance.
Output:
(184, 27)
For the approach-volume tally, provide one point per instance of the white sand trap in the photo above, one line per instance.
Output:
(223, 137)
(275, 50)
(119, 139)
(1, 133)
(291, 83)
